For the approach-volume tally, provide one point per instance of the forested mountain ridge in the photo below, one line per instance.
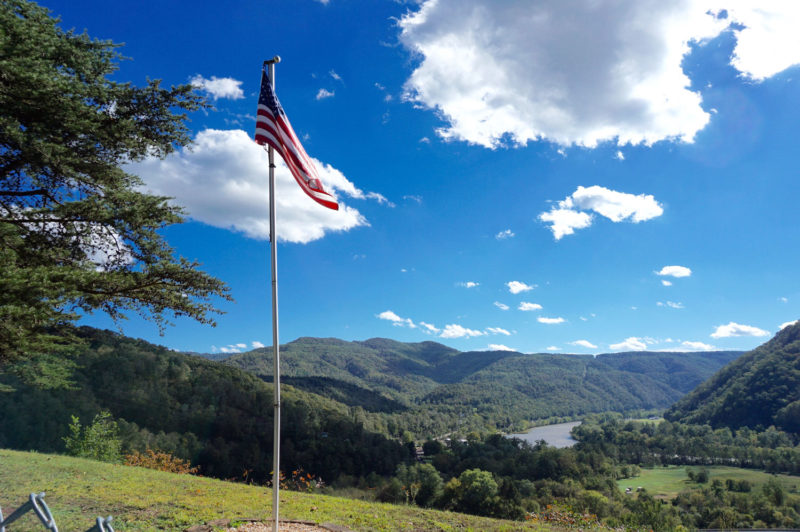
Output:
(503, 389)
(217, 416)
(759, 389)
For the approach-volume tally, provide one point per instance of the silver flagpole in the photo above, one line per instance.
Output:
(276, 359)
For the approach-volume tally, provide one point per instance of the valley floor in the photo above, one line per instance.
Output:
(667, 482)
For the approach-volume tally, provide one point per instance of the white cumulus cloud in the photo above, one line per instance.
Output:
(666, 283)
(516, 287)
(736, 329)
(767, 42)
(257, 345)
(582, 72)
(550, 321)
(223, 181)
(219, 87)
(675, 271)
(568, 214)
(630, 344)
(529, 306)
(503, 235)
(457, 331)
(787, 324)
(565, 221)
(584, 343)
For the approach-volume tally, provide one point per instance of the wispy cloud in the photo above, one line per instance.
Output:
(324, 93)
(526, 306)
(430, 328)
(550, 321)
(697, 346)
(584, 343)
(670, 304)
(503, 235)
(501, 306)
(468, 284)
(396, 320)
(457, 331)
(498, 330)
(630, 344)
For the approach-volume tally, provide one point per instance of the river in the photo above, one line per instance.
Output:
(555, 435)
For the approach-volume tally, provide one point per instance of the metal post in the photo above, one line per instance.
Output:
(276, 366)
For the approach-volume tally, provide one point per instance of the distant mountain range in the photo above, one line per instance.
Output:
(758, 389)
(432, 387)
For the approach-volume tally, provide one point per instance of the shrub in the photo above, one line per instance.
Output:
(160, 461)
(98, 441)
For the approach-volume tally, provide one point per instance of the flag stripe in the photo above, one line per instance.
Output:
(318, 195)
(290, 141)
(273, 129)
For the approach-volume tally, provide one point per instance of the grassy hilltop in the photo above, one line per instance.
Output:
(80, 490)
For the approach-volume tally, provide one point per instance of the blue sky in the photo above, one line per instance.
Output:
(576, 177)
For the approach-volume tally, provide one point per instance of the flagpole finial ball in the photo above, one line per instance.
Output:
(276, 59)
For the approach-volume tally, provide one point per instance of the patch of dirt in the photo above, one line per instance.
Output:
(288, 526)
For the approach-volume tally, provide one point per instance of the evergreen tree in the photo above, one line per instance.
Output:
(77, 233)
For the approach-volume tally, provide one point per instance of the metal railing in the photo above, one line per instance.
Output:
(36, 504)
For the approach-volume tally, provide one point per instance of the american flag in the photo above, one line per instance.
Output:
(273, 129)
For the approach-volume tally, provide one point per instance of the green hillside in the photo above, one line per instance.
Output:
(759, 389)
(431, 389)
(214, 415)
(80, 490)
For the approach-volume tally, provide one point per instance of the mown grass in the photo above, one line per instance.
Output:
(78, 491)
(667, 482)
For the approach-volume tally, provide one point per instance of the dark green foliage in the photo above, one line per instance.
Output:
(345, 392)
(218, 417)
(76, 231)
(759, 389)
(682, 444)
(430, 389)
(421, 484)
(718, 507)
(474, 492)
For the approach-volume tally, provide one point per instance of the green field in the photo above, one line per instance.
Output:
(79, 490)
(666, 482)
